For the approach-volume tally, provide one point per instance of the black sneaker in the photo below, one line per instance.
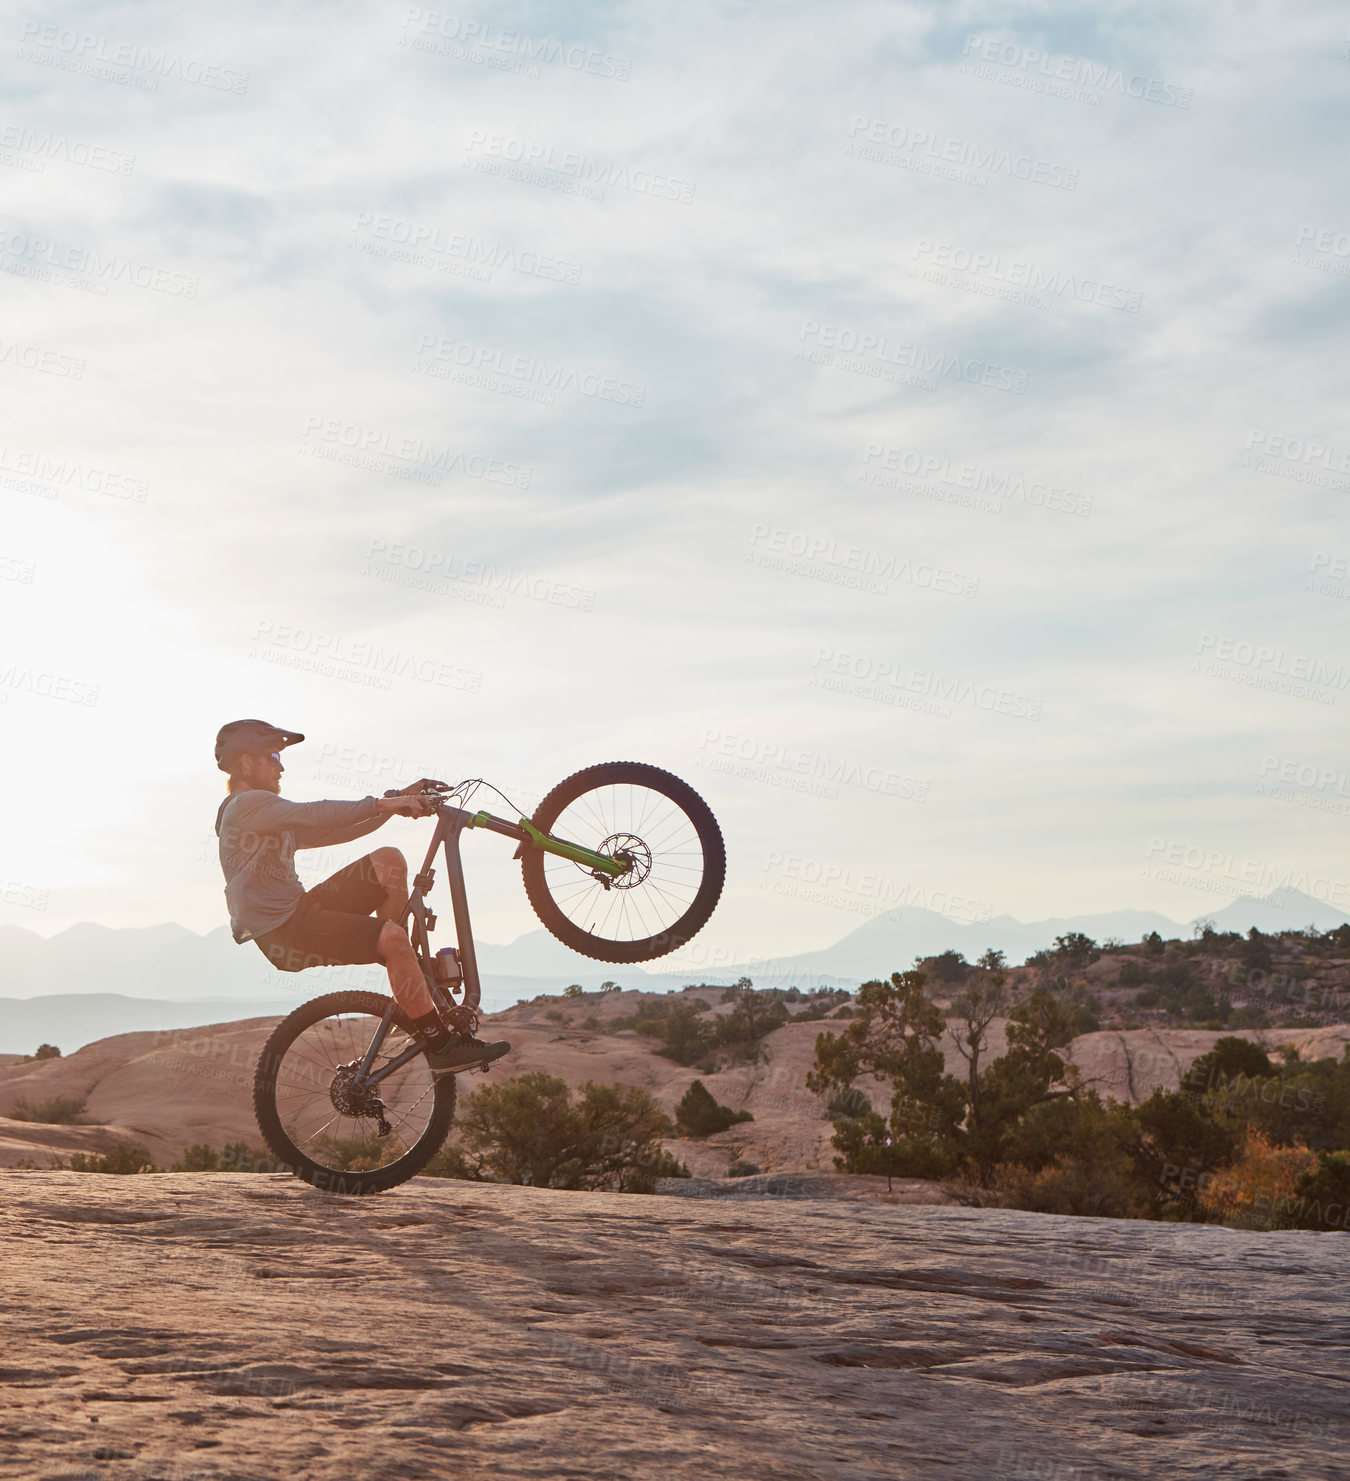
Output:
(464, 1054)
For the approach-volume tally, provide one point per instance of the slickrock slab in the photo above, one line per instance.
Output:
(180, 1327)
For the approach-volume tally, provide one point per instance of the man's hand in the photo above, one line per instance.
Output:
(415, 806)
(422, 786)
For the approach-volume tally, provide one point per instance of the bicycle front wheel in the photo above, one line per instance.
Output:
(677, 862)
(327, 1128)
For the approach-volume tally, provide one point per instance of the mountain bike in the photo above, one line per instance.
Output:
(342, 1090)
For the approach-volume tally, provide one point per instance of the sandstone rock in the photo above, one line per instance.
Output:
(185, 1327)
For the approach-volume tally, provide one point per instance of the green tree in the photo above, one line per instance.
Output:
(1075, 951)
(1175, 1140)
(574, 990)
(752, 1016)
(1231, 1059)
(1322, 1197)
(688, 1039)
(947, 967)
(942, 1124)
(44, 1051)
(896, 1035)
(699, 1114)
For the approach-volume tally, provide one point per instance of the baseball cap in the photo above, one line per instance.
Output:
(250, 738)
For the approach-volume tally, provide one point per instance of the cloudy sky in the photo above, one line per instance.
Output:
(920, 426)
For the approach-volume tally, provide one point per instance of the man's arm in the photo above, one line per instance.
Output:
(318, 824)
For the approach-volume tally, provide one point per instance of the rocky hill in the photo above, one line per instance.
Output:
(222, 1327)
(169, 1089)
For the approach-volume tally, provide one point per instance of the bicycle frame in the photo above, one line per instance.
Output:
(451, 822)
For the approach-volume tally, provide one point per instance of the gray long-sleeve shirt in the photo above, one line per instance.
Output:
(259, 833)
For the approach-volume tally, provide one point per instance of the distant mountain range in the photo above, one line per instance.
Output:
(91, 981)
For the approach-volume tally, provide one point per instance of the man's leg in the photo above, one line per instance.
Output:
(444, 1054)
(405, 971)
(391, 869)
(396, 950)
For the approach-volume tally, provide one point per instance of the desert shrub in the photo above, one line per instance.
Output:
(1070, 1186)
(124, 1157)
(574, 990)
(699, 1114)
(591, 1022)
(753, 1015)
(1261, 1178)
(1321, 1196)
(61, 1110)
(1132, 973)
(947, 967)
(1230, 1059)
(848, 1104)
(233, 1157)
(44, 1051)
(530, 1131)
(687, 1038)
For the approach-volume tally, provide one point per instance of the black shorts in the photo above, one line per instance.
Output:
(332, 925)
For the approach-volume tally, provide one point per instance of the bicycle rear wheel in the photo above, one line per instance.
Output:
(664, 829)
(331, 1132)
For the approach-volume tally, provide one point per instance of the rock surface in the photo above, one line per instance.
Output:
(245, 1328)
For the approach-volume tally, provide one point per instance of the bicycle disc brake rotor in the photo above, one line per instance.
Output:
(351, 1099)
(629, 848)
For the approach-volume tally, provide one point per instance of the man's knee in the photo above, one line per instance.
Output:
(389, 858)
(393, 943)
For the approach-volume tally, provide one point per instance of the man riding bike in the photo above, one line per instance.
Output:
(332, 924)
